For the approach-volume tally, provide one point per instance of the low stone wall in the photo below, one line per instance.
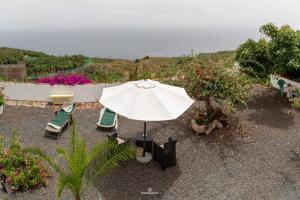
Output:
(17, 71)
(41, 92)
(275, 78)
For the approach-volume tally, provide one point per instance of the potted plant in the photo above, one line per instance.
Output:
(209, 118)
(1, 103)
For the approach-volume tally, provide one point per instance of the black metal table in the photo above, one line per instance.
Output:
(140, 142)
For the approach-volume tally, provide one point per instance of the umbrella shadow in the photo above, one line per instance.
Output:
(134, 180)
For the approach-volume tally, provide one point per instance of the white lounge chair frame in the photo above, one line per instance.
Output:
(58, 132)
(115, 123)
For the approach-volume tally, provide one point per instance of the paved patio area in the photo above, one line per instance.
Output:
(261, 162)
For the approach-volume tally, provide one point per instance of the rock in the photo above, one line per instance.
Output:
(199, 129)
(212, 126)
(219, 104)
(199, 106)
(203, 129)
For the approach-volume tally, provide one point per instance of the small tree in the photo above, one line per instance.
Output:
(83, 165)
(254, 59)
(278, 52)
(208, 82)
(284, 48)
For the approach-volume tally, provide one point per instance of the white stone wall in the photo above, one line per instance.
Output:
(275, 78)
(41, 92)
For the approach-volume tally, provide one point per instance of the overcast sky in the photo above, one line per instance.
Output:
(59, 14)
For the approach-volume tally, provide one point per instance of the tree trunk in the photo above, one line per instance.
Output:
(207, 102)
(77, 196)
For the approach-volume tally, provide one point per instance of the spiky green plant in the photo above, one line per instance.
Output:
(83, 165)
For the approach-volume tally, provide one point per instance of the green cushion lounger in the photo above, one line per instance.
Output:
(281, 86)
(108, 119)
(61, 120)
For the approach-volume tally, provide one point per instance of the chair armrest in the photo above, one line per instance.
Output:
(158, 148)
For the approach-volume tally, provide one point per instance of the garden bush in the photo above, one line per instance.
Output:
(19, 169)
(216, 85)
(214, 81)
(102, 75)
(254, 59)
(278, 52)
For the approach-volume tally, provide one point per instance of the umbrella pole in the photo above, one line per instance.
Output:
(144, 144)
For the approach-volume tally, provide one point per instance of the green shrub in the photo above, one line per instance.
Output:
(280, 53)
(254, 59)
(53, 64)
(216, 81)
(102, 75)
(15, 56)
(22, 170)
(284, 48)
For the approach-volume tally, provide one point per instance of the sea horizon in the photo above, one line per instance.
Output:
(128, 43)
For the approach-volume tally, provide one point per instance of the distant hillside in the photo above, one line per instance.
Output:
(112, 70)
(109, 70)
(15, 56)
(39, 63)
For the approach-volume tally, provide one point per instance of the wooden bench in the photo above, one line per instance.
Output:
(61, 98)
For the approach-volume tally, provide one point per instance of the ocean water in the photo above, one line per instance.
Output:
(129, 43)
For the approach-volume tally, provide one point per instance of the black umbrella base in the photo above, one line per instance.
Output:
(139, 140)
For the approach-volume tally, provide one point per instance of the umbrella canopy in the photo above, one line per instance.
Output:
(146, 100)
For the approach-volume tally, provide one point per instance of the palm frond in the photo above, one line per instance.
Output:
(73, 136)
(98, 149)
(72, 183)
(114, 156)
(78, 158)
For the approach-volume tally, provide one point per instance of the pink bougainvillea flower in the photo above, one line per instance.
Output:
(61, 79)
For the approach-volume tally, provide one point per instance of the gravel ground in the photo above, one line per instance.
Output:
(261, 162)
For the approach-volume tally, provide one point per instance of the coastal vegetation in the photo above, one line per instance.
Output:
(15, 56)
(113, 70)
(53, 64)
(38, 63)
(278, 51)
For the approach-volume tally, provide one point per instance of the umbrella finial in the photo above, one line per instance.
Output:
(145, 84)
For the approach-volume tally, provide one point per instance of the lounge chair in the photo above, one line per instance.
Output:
(108, 119)
(165, 154)
(62, 120)
(281, 84)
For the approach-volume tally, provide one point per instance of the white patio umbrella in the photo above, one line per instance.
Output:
(146, 100)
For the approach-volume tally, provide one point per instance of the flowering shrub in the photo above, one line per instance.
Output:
(214, 81)
(61, 79)
(207, 82)
(20, 170)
